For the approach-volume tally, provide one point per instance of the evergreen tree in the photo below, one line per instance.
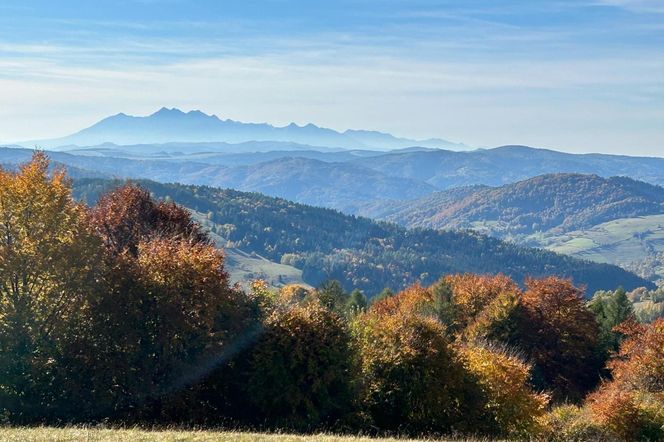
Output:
(384, 294)
(357, 302)
(331, 295)
(610, 309)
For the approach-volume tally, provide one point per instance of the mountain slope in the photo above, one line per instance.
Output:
(557, 203)
(173, 125)
(361, 253)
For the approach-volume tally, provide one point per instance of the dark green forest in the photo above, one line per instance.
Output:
(359, 252)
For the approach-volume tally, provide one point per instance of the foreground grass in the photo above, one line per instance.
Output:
(44, 434)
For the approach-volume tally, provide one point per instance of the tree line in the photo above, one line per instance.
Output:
(123, 313)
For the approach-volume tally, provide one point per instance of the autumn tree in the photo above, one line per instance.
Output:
(293, 294)
(165, 310)
(639, 365)
(47, 268)
(631, 405)
(560, 335)
(126, 216)
(469, 294)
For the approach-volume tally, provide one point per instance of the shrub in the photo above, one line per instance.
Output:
(627, 414)
(504, 379)
(569, 423)
(413, 380)
(301, 370)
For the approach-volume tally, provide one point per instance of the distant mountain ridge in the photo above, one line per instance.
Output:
(339, 185)
(616, 220)
(508, 164)
(342, 179)
(174, 125)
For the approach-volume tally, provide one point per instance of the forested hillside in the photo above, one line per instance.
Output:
(362, 253)
(555, 202)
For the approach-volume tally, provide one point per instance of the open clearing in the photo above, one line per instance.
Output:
(44, 434)
(621, 242)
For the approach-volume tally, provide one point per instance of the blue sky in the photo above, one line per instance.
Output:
(579, 76)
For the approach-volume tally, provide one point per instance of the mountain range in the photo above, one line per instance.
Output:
(174, 125)
(508, 164)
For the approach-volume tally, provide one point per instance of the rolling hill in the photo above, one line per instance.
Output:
(365, 254)
(556, 203)
(614, 220)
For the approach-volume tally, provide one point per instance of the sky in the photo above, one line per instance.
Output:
(573, 75)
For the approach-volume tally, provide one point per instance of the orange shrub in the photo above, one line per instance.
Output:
(627, 414)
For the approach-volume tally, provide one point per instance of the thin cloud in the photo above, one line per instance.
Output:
(563, 74)
(647, 6)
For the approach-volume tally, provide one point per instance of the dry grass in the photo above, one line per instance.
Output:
(45, 434)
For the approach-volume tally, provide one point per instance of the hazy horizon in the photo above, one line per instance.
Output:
(575, 76)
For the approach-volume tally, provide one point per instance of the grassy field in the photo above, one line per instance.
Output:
(622, 241)
(44, 434)
(245, 267)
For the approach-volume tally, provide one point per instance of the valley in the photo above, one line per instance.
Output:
(577, 205)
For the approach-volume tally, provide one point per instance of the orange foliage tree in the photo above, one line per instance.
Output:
(413, 380)
(631, 405)
(128, 215)
(560, 334)
(477, 306)
(511, 404)
(164, 311)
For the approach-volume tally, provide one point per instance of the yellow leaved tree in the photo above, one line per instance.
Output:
(47, 254)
